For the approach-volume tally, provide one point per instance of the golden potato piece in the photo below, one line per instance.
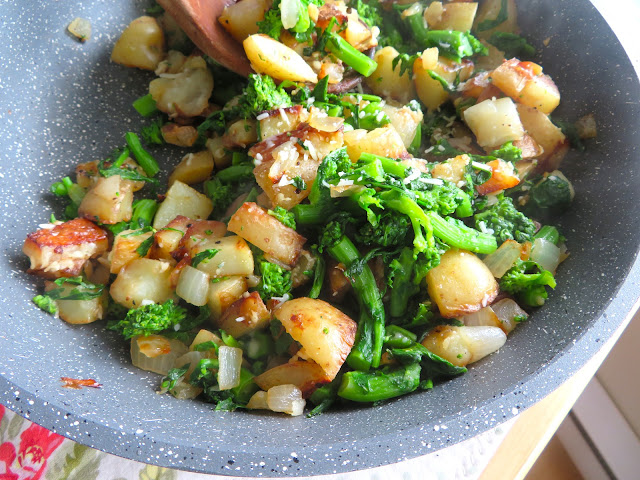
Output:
(62, 250)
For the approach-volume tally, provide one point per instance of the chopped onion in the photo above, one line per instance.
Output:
(481, 341)
(230, 364)
(289, 13)
(156, 353)
(80, 28)
(253, 281)
(339, 191)
(507, 310)
(193, 286)
(326, 124)
(258, 401)
(484, 317)
(546, 254)
(286, 398)
(503, 258)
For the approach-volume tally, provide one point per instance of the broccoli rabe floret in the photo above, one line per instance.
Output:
(390, 231)
(221, 194)
(275, 281)
(262, 94)
(287, 218)
(152, 134)
(272, 23)
(553, 194)
(506, 222)
(150, 319)
(527, 280)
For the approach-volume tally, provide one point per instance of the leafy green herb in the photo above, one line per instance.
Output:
(46, 303)
(173, 377)
(512, 45)
(150, 319)
(83, 290)
(286, 218)
(203, 256)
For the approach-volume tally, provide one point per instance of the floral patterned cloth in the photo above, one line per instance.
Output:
(31, 452)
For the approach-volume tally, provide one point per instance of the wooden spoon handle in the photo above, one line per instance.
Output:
(199, 20)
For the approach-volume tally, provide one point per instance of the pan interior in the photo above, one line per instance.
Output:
(64, 103)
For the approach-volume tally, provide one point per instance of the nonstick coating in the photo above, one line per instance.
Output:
(63, 102)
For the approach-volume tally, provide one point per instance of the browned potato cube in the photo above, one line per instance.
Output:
(108, 201)
(180, 135)
(267, 233)
(124, 248)
(325, 333)
(62, 250)
(194, 168)
(224, 293)
(461, 284)
(244, 315)
(307, 376)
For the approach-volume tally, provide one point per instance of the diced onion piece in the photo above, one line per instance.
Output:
(258, 401)
(183, 390)
(326, 124)
(230, 364)
(464, 345)
(503, 258)
(485, 317)
(507, 310)
(546, 254)
(80, 28)
(289, 13)
(156, 353)
(193, 286)
(287, 399)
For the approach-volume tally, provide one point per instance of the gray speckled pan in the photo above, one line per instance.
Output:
(63, 102)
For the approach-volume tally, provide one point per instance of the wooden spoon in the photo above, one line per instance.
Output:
(199, 20)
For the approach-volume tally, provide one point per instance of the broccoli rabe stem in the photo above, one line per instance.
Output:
(235, 173)
(144, 159)
(145, 105)
(419, 220)
(460, 236)
(548, 233)
(398, 337)
(418, 28)
(143, 212)
(379, 385)
(390, 166)
(367, 349)
(349, 55)
(318, 277)
(402, 287)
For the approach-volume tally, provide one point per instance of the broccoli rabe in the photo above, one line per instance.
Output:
(506, 222)
(527, 280)
(275, 281)
(512, 45)
(287, 218)
(391, 230)
(152, 133)
(551, 195)
(149, 319)
(262, 94)
(303, 28)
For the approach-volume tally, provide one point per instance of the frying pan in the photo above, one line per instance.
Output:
(63, 102)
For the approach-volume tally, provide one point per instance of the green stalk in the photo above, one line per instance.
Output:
(349, 55)
(390, 166)
(548, 233)
(398, 337)
(318, 277)
(402, 287)
(460, 236)
(144, 159)
(235, 173)
(376, 386)
(145, 105)
(419, 28)
(143, 212)
(367, 349)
